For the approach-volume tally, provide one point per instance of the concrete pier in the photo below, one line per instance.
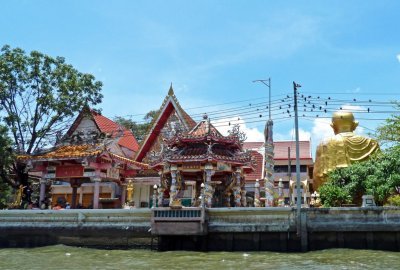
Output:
(228, 229)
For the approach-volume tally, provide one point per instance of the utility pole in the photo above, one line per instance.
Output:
(296, 127)
(268, 173)
(268, 84)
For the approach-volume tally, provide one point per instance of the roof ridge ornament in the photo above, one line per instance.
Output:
(171, 91)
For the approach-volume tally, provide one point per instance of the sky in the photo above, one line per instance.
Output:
(212, 51)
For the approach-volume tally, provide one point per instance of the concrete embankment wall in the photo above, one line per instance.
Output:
(229, 229)
(114, 228)
(275, 229)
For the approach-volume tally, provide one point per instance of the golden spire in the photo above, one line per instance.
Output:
(171, 90)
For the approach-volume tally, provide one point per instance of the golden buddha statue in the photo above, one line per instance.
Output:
(343, 149)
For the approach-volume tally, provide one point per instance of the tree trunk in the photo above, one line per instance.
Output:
(21, 176)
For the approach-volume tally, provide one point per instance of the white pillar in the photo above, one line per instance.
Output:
(257, 194)
(96, 192)
(281, 200)
(42, 190)
(209, 190)
(81, 195)
(237, 189)
(172, 190)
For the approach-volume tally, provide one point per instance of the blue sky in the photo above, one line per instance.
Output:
(212, 51)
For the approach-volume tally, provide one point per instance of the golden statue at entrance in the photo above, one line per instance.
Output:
(342, 149)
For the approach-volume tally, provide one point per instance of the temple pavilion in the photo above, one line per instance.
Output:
(89, 165)
(185, 155)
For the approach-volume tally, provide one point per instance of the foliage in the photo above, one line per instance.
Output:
(394, 200)
(139, 130)
(379, 176)
(333, 195)
(39, 96)
(6, 159)
(390, 132)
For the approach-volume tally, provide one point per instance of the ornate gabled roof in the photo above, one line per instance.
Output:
(65, 152)
(202, 152)
(169, 105)
(204, 131)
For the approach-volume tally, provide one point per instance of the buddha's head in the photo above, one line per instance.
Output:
(343, 121)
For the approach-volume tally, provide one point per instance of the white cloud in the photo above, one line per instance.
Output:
(398, 57)
(291, 136)
(253, 134)
(321, 129)
(353, 108)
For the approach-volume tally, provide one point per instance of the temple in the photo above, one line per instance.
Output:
(203, 155)
(89, 166)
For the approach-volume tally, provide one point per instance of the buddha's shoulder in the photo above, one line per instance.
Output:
(332, 140)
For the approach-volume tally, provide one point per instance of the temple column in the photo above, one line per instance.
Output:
(209, 190)
(42, 190)
(243, 199)
(123, 194)
(237, 188)
(281, 201)
(172, 191)
(96, 192)
(257, 194)
(160, 190)
(75, 184)
(81, 195)
(305, 196)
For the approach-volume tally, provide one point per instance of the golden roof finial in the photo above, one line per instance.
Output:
(171, 90)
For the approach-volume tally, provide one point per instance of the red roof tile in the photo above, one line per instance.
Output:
(281, 150)
(252, 145)
(104, 124)
(257, 173)
(108, 126)
(129, 141)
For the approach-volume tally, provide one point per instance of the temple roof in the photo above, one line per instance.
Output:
(65, 152)
(169, 105)
(208, 145)
(204, 128)
(68, 152)
(107, 126)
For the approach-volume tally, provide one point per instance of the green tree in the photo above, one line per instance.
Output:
(39, 96)
(389, 133)
(6, 160)
(139, 130)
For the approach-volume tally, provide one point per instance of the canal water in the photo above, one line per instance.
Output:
(65, 257)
